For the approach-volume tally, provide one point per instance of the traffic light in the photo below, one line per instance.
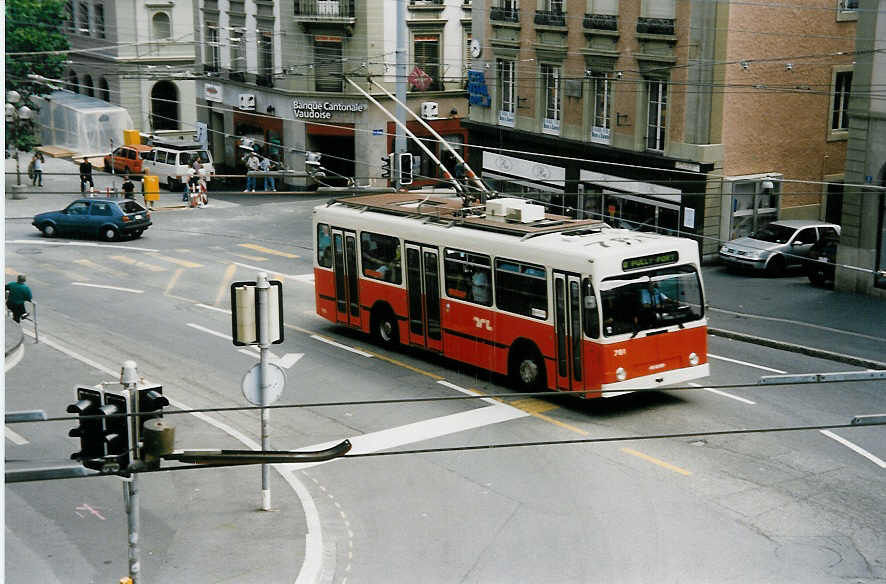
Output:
(386, 165)
(149, 404)
(405, 168)
(116, 431)
(91, 430)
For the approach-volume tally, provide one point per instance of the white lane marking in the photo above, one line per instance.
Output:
(289, 359)
(746, 364)
(249, 353)
(215, 308)
(467, 391)
(209, 331)
(876, 460)
(15, 437)
(266, 270)
(420, 431)
(80, 244)
(312, 563)
(725, 394)
(800, 323)
(340, 346)
(106, 287)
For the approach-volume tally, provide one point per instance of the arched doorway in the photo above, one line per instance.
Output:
(164, 106)
(104, 91)
(73, 82)
(88, 87)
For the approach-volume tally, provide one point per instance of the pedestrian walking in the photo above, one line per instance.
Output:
(17, 294)
(86, 175)
(128, 188)
(252, 164)
(37, 164)
(265, 166)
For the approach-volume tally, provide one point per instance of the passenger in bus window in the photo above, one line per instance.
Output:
(324, 246)
(480, 287)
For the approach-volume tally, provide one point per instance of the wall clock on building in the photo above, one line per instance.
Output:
(476, 48)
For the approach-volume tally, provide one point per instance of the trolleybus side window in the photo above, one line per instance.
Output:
(591, 314)
(652, 299)
(324, 246)
(381, 257)
(468, 276)
(521, 288)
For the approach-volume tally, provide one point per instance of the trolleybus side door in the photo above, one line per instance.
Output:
(568, 331)
(347, 295)
(423, 287)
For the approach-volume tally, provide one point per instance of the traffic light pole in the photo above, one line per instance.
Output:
(129, 379)
(261, 292)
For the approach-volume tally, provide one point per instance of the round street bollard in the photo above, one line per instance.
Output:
(18, 191)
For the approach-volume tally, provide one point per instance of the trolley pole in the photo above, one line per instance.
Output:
(261, 291)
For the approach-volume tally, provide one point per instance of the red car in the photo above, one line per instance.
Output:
(127, 159)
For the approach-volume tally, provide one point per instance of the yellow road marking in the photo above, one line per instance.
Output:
(138, 263)
(533, 405)
(99, 268)
(177, 261)
(250, 257)
(11, 272)
(654, 460)
(257, 247)
(173, 280)
(67, 274)
(225, 284)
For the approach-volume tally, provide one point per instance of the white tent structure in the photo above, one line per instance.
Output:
(82, 124)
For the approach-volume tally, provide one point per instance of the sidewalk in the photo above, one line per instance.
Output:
(61, 185)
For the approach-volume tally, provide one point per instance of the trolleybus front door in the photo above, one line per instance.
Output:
(347, 296)
(423, 285)
(567, 322)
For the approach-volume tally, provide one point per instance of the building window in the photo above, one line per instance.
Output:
(161, 28)
(265, 59)
(846, 5)
(104, 92)
(507, 91)
(328, 63)
(507, 10)
(164, 106)
(659, 9)
(212, 59)
(602, 115)
(69, 16)
(88, 88)
(609, 7)
(550, 75)
(425, 76)
(840, 101)
(657, 114)
(99, 20)
(238, 59)
(83, 18)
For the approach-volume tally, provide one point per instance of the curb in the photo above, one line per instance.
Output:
(802, 349)
(15, 352)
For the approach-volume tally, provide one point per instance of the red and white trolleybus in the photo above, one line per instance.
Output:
(551, 301)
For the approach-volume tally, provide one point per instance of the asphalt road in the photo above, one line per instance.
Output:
(763, 507)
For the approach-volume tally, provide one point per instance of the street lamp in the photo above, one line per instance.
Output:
(15, 115)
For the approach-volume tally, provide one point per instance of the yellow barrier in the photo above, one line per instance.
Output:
(131, 137)
(151, 187)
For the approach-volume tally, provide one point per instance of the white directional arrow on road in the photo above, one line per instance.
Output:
(289, 359)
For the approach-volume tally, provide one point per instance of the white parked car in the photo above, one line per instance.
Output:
(173, 164)
(777, 246)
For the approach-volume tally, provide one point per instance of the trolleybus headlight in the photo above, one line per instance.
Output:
(693, 359)
(621, 374)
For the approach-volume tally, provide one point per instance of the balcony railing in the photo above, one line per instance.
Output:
(504, 14)
(324, 9)
(550, 17)
(420, 3)
(664, 26)
(601, 21)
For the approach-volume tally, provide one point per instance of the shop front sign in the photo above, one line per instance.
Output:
(324, 110)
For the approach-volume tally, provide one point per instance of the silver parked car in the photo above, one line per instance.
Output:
(777, 246)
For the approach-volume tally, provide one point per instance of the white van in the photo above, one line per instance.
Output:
(173, 164)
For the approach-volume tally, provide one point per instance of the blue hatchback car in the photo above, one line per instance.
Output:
(108, 219)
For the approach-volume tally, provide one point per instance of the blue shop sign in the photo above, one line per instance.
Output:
(478, 94)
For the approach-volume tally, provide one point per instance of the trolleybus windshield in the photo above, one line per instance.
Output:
(649, 300)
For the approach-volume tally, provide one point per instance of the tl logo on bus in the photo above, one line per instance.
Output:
(482, 323)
